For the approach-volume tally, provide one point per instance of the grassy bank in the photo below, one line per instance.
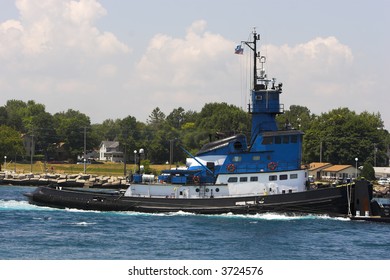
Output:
(108, 169)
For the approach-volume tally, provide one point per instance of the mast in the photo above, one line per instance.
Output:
(253, 46)
(265, 93)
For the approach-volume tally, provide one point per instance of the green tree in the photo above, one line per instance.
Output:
(341, 135)
(298, 117)
(11, 143)
(3, 115)
(156, 118)
(39, 123)
(16, 111)
(108, 130)
(70, 127)
(223, 119)
(368, 171)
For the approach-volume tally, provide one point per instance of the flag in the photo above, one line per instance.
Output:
(239, 50)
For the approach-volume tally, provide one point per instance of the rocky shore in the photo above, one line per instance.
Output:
(65, 180)
(381, 191)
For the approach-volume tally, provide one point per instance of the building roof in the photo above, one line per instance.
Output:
(318, 165)
(336, 168)
(110, 144)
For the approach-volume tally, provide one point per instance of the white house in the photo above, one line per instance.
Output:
(340, 172)
(315, 169)
(382, 172)
(109, 151)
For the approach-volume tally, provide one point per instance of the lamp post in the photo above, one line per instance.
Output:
(356, 160)
(137, 160)
(5, 163)
(140, 153)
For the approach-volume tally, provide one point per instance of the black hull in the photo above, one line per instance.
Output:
(331, 201)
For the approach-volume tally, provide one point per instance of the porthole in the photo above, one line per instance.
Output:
(197, 190)
(237, 145)
(217, 189)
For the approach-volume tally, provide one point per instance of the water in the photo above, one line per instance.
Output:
(29, 232)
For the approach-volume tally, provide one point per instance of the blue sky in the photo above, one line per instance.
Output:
(114, 58)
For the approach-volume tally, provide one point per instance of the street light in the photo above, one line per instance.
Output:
(5, 163)
(356, 160)
(139, 154)
(135, 161)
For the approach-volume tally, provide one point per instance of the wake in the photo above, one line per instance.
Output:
(8, 205)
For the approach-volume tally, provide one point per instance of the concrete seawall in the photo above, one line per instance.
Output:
(65, 180)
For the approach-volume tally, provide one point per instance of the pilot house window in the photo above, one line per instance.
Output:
(294, 139)
(236, 159)
(267, 140)
(255, 158)
(273, 178)
(283, 177)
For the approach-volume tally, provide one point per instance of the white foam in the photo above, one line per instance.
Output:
(19, 205)
(83, 224)
(24, 205)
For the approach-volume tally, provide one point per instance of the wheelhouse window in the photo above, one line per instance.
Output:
(278, 140)
(286, 139)
(283, 177)
(273, 177)
(233, 180)
(237, 145)
(294, 139)
(243, 179)
(293, 176)
(267, 140)
(254, 179)
(256, 158)
(236, 158)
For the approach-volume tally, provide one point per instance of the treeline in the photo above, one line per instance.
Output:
(338, 136)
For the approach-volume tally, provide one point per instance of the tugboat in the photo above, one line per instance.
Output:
(237, 174)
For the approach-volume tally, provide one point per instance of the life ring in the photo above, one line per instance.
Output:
(231, 167)
(272, 165)
(196, 179)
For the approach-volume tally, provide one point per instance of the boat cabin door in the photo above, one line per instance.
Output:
(183, 192)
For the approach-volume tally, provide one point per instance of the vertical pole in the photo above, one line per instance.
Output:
(356, 169)
(170, 153)
(85, 148)
(124, 163)
(254, 59)
(31, 153)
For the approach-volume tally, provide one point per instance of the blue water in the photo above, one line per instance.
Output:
(30, 232)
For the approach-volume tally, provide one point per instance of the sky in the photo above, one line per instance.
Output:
(111, 59)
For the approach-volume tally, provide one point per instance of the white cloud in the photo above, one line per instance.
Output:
(56, 51)
(201, 68)
(318, 74)
(191, 71)
(57, 26)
